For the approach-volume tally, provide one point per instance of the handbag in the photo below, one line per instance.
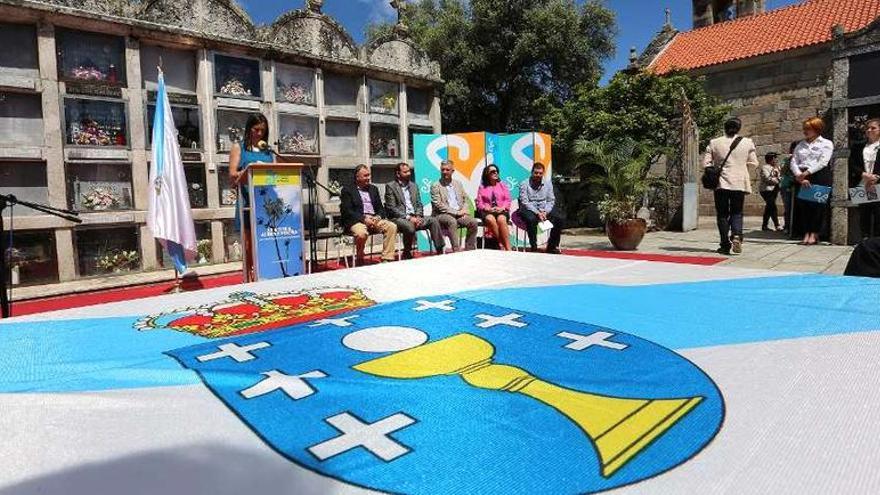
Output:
(815, 194)
(712, 174)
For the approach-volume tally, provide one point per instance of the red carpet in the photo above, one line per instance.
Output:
(631, 255)
(141, 291)
(32, 306)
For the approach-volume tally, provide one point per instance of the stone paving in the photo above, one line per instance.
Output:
(762, 250)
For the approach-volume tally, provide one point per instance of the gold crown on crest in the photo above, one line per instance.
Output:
(248, 312)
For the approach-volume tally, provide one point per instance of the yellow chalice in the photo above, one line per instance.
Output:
(619, 428)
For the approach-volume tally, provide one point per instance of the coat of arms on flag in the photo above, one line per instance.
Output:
(248, 312)
(399, 397)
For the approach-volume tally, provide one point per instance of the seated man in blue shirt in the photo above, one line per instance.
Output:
(536, 201)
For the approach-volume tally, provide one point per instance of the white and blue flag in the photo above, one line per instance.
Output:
(169, 216)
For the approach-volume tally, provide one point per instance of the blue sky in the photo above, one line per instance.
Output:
(638, 20)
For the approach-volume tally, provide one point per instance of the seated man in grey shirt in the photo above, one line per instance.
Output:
(536, 201)
(404, 207)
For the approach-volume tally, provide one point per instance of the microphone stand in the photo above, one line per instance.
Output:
(8, 200)
(312, 184)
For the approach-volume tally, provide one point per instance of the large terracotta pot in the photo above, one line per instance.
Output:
(626, 235)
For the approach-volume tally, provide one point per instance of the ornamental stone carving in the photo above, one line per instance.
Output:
(106, 7)
(400, 54)
(315, 34)
(222, 18)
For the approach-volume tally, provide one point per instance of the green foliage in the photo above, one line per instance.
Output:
(621, 176)
(508, 63)
(640, 106)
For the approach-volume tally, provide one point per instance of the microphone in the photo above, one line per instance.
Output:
(264, 146)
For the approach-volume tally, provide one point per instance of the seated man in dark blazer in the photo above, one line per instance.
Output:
(363, 214)
(404, 207)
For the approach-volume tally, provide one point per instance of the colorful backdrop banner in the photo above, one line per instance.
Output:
(513, 154)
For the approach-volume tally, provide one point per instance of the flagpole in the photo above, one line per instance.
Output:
(177, 283)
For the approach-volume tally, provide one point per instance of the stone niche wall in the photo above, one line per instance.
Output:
(772, 99)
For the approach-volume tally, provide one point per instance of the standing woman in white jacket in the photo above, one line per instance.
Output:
(736, 156)
(809, 164)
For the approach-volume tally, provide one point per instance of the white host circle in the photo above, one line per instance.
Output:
(385, 339)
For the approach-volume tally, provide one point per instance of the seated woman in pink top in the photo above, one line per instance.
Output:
(493, 205)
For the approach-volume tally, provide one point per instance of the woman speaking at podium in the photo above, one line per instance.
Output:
(252, 148)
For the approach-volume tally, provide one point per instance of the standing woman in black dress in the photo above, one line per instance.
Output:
(809, 164)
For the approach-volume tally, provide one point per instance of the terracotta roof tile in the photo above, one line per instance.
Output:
(805, 24)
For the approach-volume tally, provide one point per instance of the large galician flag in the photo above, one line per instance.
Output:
(169, 216)
(476, 373)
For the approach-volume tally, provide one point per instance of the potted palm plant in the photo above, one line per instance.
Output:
(623, 179)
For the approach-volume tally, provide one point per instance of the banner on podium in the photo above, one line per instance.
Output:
(278, 222)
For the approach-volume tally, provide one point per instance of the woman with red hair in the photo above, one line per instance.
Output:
(809, 164)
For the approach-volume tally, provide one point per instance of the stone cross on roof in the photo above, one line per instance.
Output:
(400, 7)
(315, 5)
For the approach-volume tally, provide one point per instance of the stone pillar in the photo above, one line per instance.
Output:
(364, 119)
(434, 114)
(704, 13)
(403, 130)
(218, 248)
(840, 116)
(323, 169)
(67, 260)
(267, 106)
(204, 97)
(53, 146)
(135, 95)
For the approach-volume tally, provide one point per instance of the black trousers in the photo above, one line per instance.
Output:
(813, 215)
(532, 222)
(729, 214)
(771, 212)
(869, 219)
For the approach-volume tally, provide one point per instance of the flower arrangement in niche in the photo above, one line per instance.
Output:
(229, 197)
(16, 257)
(88, 72)
(335, 188)
(389, 101)
(295, 93)
(383, 147)
(99, 199)
(234, 133)
(89, 133)
(234, 87)
(297, 142)
(203, 248)
(118, 260)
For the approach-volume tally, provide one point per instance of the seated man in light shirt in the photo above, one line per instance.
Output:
(404, 207)
(450, 206)
(363, 214)
(536, 201)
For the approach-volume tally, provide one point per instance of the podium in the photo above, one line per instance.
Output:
(272, 220)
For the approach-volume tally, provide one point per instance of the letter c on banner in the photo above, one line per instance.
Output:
(518, 151)
(450, 141)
